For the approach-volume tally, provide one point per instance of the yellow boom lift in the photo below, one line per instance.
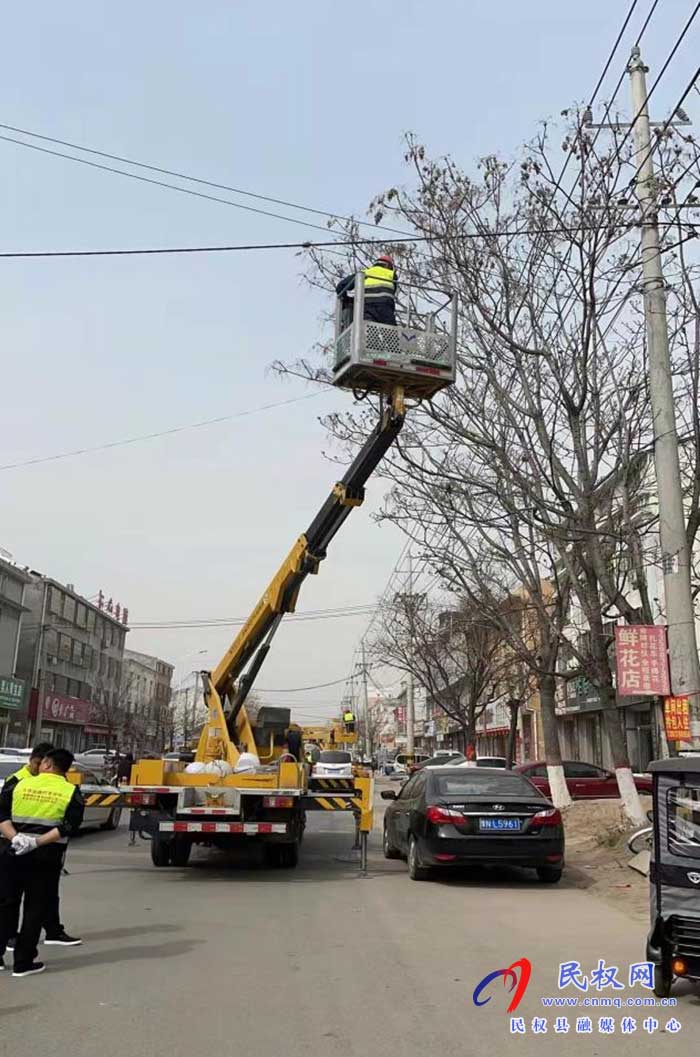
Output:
(249, 780)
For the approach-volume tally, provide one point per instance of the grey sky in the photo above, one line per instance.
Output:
(301, 101)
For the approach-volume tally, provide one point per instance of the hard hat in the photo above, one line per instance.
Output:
(386, 259)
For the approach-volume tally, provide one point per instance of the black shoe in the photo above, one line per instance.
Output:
(31, 970)
(62, 940)
(10, 945)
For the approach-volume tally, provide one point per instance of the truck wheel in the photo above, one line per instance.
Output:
(180, 851)
(113, 820)
(160, 852)
(662, 981)
(289, 855)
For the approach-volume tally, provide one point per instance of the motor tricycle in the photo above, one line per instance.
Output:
(673, 944)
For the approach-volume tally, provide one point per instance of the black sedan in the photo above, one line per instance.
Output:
(467, 816)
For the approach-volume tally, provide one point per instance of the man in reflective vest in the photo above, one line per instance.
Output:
(30, 770)
(31, 767)
(380, 293)
(36, 818)
(349, 721)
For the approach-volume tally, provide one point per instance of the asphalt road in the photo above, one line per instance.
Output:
(229, 957)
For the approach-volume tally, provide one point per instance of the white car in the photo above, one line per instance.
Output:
(333, 763)
(97, 793)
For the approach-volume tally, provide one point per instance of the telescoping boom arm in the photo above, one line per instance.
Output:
(230, 680)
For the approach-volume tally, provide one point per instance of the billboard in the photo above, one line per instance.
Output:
(641, 660)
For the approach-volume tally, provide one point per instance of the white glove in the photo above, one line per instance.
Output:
(23, 843)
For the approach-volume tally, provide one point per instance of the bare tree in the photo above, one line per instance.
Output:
(541, 439)
(456, 656)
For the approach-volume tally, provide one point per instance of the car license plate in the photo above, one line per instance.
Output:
(488, 825)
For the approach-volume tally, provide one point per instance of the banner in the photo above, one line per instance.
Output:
(677, 718)
(641, 661)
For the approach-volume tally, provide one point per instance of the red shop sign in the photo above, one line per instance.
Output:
(60, 709)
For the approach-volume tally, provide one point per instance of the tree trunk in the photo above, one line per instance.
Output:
(558, 789)
(512, 734)
(625, 780)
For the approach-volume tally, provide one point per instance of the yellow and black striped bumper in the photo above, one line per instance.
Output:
(103, 799)
(348, 802)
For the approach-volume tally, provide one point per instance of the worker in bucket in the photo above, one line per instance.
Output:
(380, 282)
(349, 721)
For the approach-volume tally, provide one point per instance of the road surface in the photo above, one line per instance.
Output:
(231, 958)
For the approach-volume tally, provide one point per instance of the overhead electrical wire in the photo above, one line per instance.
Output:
(191, 179)
(225, 622)
(160, 433)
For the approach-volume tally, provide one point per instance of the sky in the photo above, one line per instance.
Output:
(306, 102)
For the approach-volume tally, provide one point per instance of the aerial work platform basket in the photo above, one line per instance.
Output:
(377, 357)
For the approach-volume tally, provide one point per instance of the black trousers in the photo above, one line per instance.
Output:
(381, 310)
(33, 877)
(52, 921)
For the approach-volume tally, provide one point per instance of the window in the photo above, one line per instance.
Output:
(64, 647)
(335, 756)
(481, 783)
(77, 656)
(81, 615)
(90, 620)
(406, 791)
(51, 643)
(60, 684)
(55, 601)
(536, 772)
(683, 805)
(69, 609)
(583, 770)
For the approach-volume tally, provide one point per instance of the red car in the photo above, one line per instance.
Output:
(584, 780)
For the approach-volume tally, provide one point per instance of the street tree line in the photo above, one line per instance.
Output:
(532, 477)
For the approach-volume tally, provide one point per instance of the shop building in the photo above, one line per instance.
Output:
(13, 690)
(70, 655)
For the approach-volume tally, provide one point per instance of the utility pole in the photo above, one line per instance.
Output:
(367, 747)
(410, 701)
(680, 614)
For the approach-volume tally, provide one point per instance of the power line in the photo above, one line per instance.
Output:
(226, 622)
(485, 233)
(161, 433)
(297, 689)
(163, 183)
(191, 179)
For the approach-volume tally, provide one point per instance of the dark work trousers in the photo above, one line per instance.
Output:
(380, 310)
(33, 877)
(52, 921)
(9, 903)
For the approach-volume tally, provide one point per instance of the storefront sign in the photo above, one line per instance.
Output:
(641, 660)
(677, 718)
(11, 692)
(60, 709)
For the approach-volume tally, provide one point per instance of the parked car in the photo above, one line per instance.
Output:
(584, 780)
(455, 816)
(98, 759)
(333, 763)
(439, 760)
(401, 761)
(491, 761)
(105, 816)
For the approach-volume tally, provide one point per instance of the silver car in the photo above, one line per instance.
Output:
(101, 797)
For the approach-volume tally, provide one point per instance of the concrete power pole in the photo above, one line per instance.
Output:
(410, 687)
(680, 615)
(366, 742)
